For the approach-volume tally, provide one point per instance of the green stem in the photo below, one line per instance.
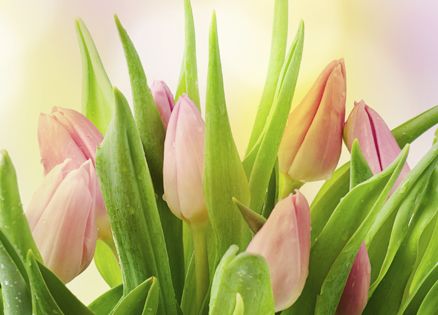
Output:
(201, 262)
(287, 185)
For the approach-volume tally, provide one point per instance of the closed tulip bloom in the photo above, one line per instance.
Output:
(183, 166)
(312, 140)
(163, 98)
(284, 241)
(355, 295)
(376, 141)
(67, 134)
(61, 217)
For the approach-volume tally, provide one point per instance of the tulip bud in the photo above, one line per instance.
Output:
(163, 98)
(67, 134)
(61, 217)
(355, 295)
(284, 241)
(376, 141)
(183, 166)
(312, 140)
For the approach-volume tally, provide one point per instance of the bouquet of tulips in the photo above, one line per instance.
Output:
(178, 223)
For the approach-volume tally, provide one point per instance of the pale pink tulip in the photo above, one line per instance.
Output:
(312, 140)
(376, 141)
(67, 134)
(163, 98)
(184, 162)
(61, 217)
(355, 295)
(284, 241)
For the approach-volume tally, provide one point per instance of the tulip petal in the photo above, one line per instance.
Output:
(163, 99)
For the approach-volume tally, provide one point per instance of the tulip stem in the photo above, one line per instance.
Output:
(201, 262)
(287, 185)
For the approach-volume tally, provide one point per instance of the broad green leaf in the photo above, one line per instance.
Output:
(64, 298)
(105, 303)
(276, 60)
(430, 302)
(334, 282)
(239, 309)
(148, 119)
(130, 200)
(416, 126)
(13, 280)
(13, 222)
(401, 223)
(43, 303)
(188, 82)
(143, 297)
(266, 157)
(359, 169)
(224, 176)
(271, 195)
(246, 275)
(97, 93)
(367, 199)
(107, 264)
(336, 187)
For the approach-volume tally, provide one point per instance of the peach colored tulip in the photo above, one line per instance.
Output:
(355, 295)
(163, 98)
(312, 140)
(61, 217)
(184, 162)
(67, 134)
(376, 141)
(284, 241)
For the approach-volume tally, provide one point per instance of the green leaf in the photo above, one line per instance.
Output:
(430, 302)
(266, 157)
(13, 280)
(359, 169)
(254, 220)
(130, 200)
(142, 300)
(148, 119)
(13, 222)
(239, 309)
(67, 302)
(188, 82)
(276, 60)
(97, 93)
(330, 246)
(224, 176)
(271, 195)
(415, 127)
(336, 187)
(42, 300)
(243, 274)
(104, 304)
(107, 264)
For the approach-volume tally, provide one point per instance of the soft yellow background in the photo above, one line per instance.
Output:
(390, 49)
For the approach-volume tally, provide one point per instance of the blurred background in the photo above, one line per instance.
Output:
(390, 49)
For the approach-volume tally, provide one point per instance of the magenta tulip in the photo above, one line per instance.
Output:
(284, 241)
(61, 217)
(163, 98)
(183, 166)
(67, 134)
(355, 295)
(312, 140)
(376, 141)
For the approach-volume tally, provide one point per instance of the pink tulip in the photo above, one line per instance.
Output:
(284, 241)
(67, 134)
(376, 141)
(61, 217)
(184, 162)
(312, 140)
(163, 98)
(355, 295)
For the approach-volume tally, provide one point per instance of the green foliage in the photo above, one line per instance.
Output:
(107, 264)
(107, 301)
(130, 200)
(97, 93)
(243, 275)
